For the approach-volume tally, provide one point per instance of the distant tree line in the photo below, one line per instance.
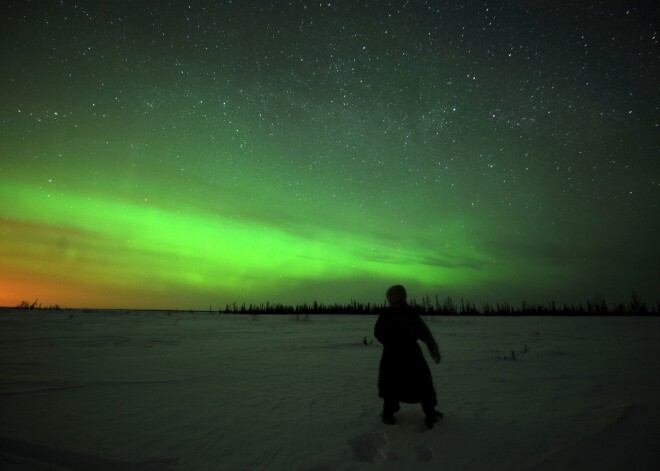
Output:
(353, 307)
(428, 307)
(28, 305)
(448, 307)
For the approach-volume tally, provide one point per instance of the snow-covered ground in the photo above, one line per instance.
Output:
(180, 391)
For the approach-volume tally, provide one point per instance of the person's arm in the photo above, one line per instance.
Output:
(381, 332)
(426, 337)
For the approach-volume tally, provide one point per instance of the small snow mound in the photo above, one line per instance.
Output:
(424, 453)
(555, 353)
(631, 442)
(368, 447)
(43, 457)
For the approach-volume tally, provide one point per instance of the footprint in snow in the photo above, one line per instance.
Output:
(367, 447)
(424, 453)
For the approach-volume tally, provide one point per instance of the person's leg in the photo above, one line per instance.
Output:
(431, 415)
(390, 406)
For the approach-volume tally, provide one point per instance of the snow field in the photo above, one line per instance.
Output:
(206, 391)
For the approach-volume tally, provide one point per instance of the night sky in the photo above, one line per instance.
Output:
(187, 154)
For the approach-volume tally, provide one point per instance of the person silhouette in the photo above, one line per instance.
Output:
(404, 375)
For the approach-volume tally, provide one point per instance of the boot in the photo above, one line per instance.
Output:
(433, 418)
(388, 418)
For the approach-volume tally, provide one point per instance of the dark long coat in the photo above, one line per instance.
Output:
(404, 374)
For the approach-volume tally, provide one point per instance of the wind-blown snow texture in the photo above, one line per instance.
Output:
(179, 391)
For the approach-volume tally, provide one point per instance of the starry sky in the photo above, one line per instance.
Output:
(187, 154)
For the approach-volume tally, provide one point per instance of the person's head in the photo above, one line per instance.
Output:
(397, 296)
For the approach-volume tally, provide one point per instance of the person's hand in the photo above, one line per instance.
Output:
(436, 356)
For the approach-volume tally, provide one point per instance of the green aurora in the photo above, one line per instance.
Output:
(174, 155)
